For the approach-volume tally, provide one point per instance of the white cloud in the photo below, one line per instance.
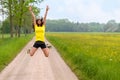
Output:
(90, 12)
(82, 10)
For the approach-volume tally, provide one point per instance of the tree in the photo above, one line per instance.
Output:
(16, 9)
(21, 14)
(64, 25)
(111, 26)
(2, 13)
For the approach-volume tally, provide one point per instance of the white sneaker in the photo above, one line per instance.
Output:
(49, 46)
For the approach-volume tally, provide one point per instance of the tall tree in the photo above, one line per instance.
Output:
(10, 15)
(15, 10)
(2, 14)
(7, 5)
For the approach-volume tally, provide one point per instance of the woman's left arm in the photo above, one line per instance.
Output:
(45, 16)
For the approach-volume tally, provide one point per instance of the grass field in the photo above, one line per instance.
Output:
(9, 48)
(92, 56)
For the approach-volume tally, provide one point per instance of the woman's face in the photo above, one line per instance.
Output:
(39, 22)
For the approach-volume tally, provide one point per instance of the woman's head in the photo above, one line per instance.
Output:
(39, 22)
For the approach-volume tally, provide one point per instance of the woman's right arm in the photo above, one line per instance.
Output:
(33, 16)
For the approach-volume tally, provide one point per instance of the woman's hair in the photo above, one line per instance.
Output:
(38, 24)
(41, 22)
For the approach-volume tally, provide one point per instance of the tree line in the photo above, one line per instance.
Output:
(64, 25)
(18, 18)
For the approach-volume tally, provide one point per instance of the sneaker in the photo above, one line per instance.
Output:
(48, 46)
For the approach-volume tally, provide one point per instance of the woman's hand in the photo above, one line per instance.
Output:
(47, 8)
(30, 8)
(33, 15)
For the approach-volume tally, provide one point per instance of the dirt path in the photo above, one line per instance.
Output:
(38, 67)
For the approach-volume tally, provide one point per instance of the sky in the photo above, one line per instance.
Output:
(83, 10)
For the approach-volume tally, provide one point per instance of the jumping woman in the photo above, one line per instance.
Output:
(39, 26)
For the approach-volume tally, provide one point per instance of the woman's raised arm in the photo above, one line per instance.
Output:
(33, 16)
(45, 16)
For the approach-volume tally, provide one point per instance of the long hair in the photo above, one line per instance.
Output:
(40, 25)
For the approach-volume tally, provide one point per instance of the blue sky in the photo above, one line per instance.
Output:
(83, 10)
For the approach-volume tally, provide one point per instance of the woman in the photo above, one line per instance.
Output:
(39, 26)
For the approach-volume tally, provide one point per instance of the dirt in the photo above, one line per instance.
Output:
(38, 67)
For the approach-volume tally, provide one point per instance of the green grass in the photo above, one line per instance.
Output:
(10, 47)
(92, 56)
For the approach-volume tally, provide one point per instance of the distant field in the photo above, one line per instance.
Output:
(92, 56)
(9, 48)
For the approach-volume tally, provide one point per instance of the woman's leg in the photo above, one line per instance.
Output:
(46, 52)
(32, 51)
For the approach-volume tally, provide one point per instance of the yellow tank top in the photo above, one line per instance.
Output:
(40, 33)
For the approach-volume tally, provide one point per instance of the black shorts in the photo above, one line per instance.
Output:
(40, 44)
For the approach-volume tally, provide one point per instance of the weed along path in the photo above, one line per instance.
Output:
(38, 67)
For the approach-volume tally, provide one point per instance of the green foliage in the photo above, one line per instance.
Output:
(6, 26)
(64, 25)
(92, 56)
(18, 14)
(9, 48)
(0, 27)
